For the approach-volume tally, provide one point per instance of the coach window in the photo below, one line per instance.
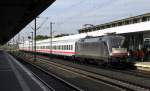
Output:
(55, 47)
(69, 47)
(58, 47)
(66, 47)
(62, 47)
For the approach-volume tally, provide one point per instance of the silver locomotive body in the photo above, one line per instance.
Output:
(101, 48)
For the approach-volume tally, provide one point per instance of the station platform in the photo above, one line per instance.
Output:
(143, 66)
(15, 77)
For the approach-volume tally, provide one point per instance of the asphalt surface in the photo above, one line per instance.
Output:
(15, 77)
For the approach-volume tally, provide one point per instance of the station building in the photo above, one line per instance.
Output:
(136, 29)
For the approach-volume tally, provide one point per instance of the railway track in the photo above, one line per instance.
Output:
(124, 85)
(97, 77)
(53, 82)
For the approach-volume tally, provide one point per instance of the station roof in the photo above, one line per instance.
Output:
(16, 14)
(121, 22)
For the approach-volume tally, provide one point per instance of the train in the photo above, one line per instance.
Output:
(107, 48)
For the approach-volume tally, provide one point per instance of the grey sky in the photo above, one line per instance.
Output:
(71, 15)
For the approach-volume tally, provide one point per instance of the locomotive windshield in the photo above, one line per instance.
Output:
(115, 41)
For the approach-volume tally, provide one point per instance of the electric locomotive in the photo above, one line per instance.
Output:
(105, 48)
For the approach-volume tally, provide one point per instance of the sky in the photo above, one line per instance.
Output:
(69, 16)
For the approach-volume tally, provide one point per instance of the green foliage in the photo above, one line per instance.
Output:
(61, 35)
(41, 37)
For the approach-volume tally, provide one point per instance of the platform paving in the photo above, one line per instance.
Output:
(15, 77)
(145, 66)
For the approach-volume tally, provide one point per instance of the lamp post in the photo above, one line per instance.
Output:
(23, 42)
(35, 40)
(35, 29)
(32, 40)
(51, 36)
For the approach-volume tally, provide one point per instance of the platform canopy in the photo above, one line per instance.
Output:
(16, 14)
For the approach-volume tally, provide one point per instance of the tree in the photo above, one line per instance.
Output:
(41, 37)
(61, 35)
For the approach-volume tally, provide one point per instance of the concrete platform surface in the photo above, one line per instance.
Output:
(143, 64)
(15, 77)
